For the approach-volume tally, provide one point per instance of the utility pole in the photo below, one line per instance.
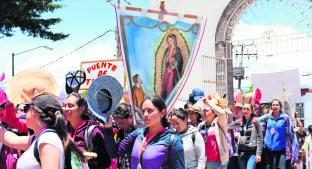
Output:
(14, 54)
(241, 53)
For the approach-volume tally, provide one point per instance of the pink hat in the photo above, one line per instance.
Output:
(3, 97)
(238, 98)
(254, 98)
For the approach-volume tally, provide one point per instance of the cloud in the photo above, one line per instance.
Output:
(100, 51)
(279, 48)
(70, 62)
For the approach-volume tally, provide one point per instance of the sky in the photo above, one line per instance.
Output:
(84, 20)
(281, 31)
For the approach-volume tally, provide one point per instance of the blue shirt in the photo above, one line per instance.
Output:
(157, 154)
(275, 134)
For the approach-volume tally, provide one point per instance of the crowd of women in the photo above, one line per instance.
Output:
(203, 134)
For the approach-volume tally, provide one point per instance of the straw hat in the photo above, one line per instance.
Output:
(196, 109)
(29, 83)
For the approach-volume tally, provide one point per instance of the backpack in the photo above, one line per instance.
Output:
(193, 137)
(75, 161)
(88, 136)
(89, 141)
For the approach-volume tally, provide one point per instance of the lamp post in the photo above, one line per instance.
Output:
(14, 54)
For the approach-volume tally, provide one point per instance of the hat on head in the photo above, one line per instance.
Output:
(196, 95)
(238, 98)
(104, 95)
(3, 97)
(29, 83)
(46, 101)
(195, 109)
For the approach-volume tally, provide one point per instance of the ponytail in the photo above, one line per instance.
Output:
(60, 126)
(69, 146)
(51, 114)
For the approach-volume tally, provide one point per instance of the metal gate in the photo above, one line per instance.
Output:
(214, 75)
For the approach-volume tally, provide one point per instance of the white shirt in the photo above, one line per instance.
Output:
(194, 152)
(28, 160)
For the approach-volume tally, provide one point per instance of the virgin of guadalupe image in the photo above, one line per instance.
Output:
(172, 66)
(170, 59)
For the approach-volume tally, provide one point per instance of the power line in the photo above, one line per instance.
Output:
(77, 48)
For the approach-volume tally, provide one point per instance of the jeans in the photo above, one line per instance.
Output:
(247, 161)
(275, 159)
(215, 165)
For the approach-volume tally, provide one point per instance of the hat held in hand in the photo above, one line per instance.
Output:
(218, 100)
(74, 80)
(29, 83)
(104, 95)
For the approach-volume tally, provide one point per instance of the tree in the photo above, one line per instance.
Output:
(26, 15)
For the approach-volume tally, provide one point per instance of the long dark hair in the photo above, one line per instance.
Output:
(160, 104)
(173, 36)
(51, 113)
(180, 113)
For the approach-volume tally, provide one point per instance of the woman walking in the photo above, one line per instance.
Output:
(251, 140)
(44, 116)
(193, 142)
(155, 146)
(79, 123)
(214, 131)
(278, 132)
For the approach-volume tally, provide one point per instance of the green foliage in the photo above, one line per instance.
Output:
(250, 89)
(84, 92)
(26, 15)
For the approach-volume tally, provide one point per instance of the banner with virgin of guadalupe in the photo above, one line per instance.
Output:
(159, 50)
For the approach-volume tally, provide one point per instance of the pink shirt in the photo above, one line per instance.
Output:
(211, 146)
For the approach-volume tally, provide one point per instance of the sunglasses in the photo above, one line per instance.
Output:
(26, 107)
(2, 106)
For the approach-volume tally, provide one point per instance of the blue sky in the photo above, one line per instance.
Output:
(293, 13)
(87, 19)
(82, 19)
(280, 17)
